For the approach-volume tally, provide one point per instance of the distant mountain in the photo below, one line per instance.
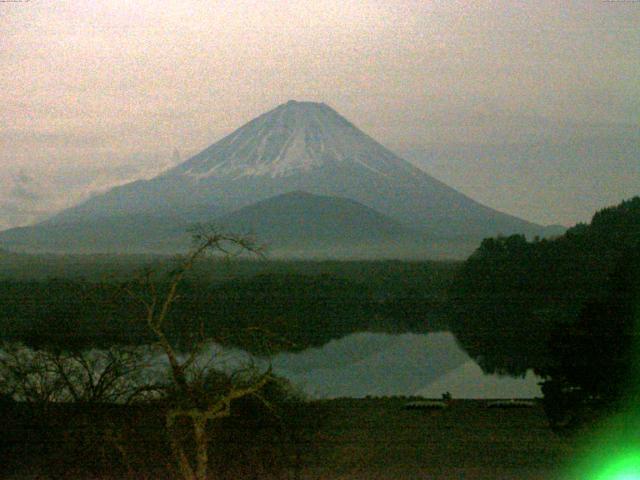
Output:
(304, 221)
(298, 146)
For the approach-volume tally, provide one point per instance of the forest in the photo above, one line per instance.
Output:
(511, 295)
(301, 303)
(568, 308)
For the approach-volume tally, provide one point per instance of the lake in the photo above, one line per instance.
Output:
(370, 364)
(379, 364)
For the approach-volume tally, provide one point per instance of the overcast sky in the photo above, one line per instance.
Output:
(532, 108)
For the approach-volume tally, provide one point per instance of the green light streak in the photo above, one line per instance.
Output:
(626, 467)
(613, 449)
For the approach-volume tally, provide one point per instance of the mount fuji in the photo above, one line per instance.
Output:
(297, 147)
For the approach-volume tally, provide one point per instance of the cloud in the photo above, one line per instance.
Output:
(24, 198)
(35, 193)
(25, 188)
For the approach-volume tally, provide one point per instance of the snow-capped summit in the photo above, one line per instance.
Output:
(292, 138)
(297, 146)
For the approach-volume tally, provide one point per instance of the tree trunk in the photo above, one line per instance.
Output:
(202, 445)
(186, 470)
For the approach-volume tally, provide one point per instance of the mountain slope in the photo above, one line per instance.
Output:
(296, 216)
(310, 147)
(298, 146)
(120, 233)
(303, 224)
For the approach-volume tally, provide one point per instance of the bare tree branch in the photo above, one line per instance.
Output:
(192, 398)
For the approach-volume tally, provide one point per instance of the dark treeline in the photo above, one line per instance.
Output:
(514, 302)
(596, 359)
(95, 268)
(297, 304)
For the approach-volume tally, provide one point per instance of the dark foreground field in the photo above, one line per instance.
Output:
(377, 438)
(342, 439)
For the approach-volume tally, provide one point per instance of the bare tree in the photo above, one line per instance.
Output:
(195, 395)
(41, 377)
(27, 375)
